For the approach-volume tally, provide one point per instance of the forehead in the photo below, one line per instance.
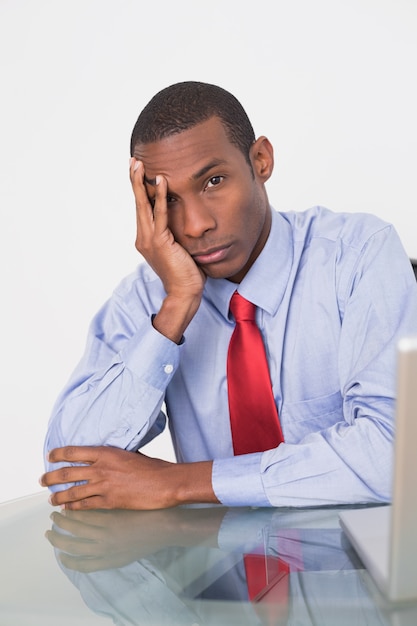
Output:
(186, 153)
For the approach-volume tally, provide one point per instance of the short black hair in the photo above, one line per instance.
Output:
(183, 105)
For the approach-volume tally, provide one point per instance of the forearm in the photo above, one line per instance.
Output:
(104, 477)
(352, 464)
(343, 464)
(115, 399)
(174, 316)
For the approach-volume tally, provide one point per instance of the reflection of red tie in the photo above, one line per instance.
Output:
(253, 414)
(267, 578)
(267, 575)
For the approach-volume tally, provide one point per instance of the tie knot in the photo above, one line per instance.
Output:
(242, 309)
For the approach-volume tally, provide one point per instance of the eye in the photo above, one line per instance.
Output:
(214, 181)
(170, 200)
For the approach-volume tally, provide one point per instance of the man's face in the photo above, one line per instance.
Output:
(217, 208)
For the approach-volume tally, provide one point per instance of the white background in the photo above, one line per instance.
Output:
(332, 83)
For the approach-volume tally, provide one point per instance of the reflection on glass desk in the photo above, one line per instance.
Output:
(199, 565)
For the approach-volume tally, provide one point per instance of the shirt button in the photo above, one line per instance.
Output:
(168, 369)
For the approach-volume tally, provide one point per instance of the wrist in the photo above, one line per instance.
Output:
(174, 316)
(193, 483)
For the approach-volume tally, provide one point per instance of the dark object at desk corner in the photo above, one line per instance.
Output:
(414, 264)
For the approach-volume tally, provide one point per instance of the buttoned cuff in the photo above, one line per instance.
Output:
(151, 356)
(237, 481)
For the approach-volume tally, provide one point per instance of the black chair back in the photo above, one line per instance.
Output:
(414, 264)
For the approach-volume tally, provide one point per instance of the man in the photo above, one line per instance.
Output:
(334, 292)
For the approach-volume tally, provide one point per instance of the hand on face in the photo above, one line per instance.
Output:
(211, 215)
(154, 240)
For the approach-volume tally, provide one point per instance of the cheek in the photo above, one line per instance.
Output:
(174, 224)
(253, 217)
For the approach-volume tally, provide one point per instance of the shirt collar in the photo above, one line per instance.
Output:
(266, 281)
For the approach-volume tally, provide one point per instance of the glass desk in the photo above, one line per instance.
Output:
(186, 566)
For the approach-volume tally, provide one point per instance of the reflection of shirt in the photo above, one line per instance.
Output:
(183, 585)
(335, 292)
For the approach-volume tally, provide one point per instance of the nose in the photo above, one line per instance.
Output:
(197, 218)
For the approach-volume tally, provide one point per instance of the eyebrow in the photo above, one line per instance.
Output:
(207, 168)
(201, 172)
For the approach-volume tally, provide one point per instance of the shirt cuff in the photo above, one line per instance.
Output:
(162, 356)
(237, 481)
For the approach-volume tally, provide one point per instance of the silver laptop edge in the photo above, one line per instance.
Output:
(393, 566)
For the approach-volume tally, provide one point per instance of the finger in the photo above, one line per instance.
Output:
(75, 523)
(69, 474)
(87, 503)
(74, 454)
(137, 175)
(92, 519)
(144, 210)
(73, 495)
(73, 545)
(134, 166)
(85, 565)
(160, 209)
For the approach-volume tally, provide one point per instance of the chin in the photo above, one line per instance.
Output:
(234, 275)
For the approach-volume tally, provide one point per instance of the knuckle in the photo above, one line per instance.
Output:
(139, 243)
(69, 452)
(65, 474)
(72, 493)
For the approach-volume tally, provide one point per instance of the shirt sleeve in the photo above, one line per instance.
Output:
(351, 459)
(114, 396)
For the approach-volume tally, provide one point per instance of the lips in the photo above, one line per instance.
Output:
(211, 256)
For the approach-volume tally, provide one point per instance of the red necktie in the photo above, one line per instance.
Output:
(253, 415)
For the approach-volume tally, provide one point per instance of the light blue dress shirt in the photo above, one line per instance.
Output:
(334, 293)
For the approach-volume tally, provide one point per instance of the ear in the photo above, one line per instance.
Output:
(262, 158)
